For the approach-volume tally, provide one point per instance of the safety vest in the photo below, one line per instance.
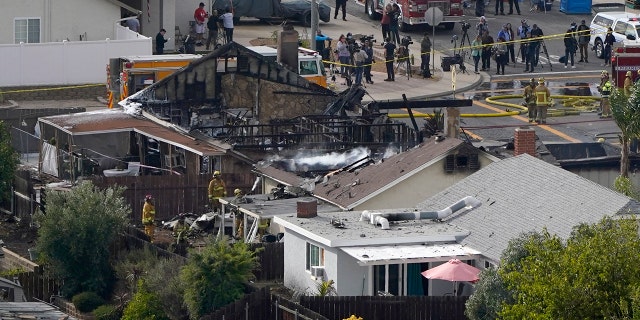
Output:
(606, 89)
(542, 95)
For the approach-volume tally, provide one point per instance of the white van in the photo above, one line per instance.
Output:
(625, 28)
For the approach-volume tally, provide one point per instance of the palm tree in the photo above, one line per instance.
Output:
(626, 114)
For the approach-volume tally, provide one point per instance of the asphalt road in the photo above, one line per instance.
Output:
(553, 23)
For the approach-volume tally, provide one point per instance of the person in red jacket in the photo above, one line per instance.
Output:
(200, 15)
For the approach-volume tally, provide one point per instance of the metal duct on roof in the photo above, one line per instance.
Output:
(383, 218)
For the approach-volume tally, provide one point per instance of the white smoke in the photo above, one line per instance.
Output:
(333, 159)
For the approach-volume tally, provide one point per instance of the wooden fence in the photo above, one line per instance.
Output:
(383, 308)
(36, 285)
(174, 194)
(271, 259)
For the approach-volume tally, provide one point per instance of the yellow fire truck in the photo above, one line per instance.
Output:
(130, 74)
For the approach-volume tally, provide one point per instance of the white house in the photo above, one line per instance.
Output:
(516, 195)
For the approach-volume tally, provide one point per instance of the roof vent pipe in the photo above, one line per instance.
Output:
(383, 218)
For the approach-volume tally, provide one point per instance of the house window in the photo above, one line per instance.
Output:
(315, 256)
(388, 279)
(27, 30)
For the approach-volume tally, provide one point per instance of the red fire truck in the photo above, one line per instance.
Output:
(625, 57)
(413, 11)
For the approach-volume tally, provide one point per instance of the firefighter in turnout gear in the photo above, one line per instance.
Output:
(530, 99)
(628, 83)
(217, 190)
(605, 91)
(148, 216)
(543, 100)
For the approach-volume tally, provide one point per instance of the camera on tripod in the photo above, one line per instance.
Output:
(465, 26)
(367, 38)
(454, 38)
(406, 41)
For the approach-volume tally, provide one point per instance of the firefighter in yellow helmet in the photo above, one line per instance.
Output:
(605, 91)
(530, 99)
(148, 216)
(217, 190)
(543, 100)
(628, 83)
(238, 215)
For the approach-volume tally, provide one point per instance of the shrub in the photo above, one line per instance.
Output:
(87, 301)
(144, 305)
(107, 312)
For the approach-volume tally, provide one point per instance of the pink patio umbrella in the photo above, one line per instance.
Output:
(453, 270)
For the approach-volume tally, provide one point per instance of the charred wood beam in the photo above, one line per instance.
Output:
(421, 104)
(305, 93)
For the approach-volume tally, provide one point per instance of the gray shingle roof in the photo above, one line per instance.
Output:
(523, 194)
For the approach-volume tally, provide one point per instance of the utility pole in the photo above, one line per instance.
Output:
(314, 24)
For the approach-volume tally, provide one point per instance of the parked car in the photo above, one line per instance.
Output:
(297, 10)
(625, 28)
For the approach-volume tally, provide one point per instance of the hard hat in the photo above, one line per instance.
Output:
(533, 80)
(237, 192)
(601, 140)
(604, 72)
(541, 80)
(148, 197)
(629, 74)
(216, 173)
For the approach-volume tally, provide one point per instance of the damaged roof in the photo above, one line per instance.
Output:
(349, 188)
(116, 120)
(523, 194)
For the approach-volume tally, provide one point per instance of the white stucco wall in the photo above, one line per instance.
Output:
(419, 187)
(352, 277)
(61, 19)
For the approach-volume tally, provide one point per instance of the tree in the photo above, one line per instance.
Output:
(75, 235)
(216, 275)
(626, 113)
(9, 161)
(491, 293)
(591, 276)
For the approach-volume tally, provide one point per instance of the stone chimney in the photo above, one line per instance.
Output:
(288, 47)
(307, 208)
(524, 141)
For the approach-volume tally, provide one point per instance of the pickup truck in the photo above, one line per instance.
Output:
(625, 28)
(298, 10)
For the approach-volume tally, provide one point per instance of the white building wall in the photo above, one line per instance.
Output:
(61, 19)
(353, 279)
(64, 63)
(419, 187)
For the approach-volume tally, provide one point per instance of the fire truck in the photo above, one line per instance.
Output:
(130, 74)
(625, 57)
(413, 11)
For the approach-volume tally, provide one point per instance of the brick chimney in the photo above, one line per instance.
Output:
(307, 208)
(524, 141)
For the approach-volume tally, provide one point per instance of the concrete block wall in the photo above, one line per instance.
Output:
(27, 93)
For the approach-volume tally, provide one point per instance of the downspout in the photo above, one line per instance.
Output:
(383, 218)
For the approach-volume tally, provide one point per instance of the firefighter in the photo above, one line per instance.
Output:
(628, 83)
(543, 101)
(148, 216)
(604, 78)
(217, 190)
(530, 99)
(239, 216)
(605, 91)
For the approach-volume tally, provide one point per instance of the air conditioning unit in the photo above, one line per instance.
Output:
(317, 272)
